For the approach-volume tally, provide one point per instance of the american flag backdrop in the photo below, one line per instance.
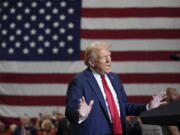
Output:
(42, 43)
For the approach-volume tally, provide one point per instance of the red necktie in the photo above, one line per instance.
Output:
(117, 127)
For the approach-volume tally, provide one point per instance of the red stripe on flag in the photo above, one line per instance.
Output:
(150, 78)
(131, 34)
(34, 78)
(130, 12)
(32, 100)
(65, 78)
(141, 55)
(139, 99)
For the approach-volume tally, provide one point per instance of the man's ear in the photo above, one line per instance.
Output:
(91, 63)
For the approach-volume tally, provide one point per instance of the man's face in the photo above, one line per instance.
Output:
(102, 63)
(172, 95)
(25, 121)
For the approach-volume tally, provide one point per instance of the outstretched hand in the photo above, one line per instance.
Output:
(157, 100)
(84, 108)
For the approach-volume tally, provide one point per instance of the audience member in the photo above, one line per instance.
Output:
(41, 118)
(12, 128)
(47, 128)
(62, 124)
(172, 95)
(3, 129)
(133, 125)
(26, 127)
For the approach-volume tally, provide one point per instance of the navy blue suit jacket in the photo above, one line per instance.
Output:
(98, 121)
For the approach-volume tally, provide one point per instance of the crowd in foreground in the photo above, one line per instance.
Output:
(45, 124)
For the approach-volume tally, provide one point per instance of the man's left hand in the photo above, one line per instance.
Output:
(157, 100)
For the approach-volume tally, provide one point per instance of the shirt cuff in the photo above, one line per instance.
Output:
(81, 120)
(147, 107)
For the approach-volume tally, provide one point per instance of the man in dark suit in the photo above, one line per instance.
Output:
(96, 101)
(26, 127)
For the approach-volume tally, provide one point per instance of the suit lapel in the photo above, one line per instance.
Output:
(95, 87)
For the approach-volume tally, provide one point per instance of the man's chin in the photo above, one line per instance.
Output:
(108, 71)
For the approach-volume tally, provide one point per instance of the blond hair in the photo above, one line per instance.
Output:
(92, 50)
(47, 124)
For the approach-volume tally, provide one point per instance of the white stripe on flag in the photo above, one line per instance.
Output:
(33, 89)
(130, 23)
(130, 3)
(76, 67)
(138, 45)
(32, 111)
(60, 89)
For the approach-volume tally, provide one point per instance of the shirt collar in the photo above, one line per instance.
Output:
(96, 74)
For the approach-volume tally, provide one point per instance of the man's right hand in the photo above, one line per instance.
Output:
(84, 108)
